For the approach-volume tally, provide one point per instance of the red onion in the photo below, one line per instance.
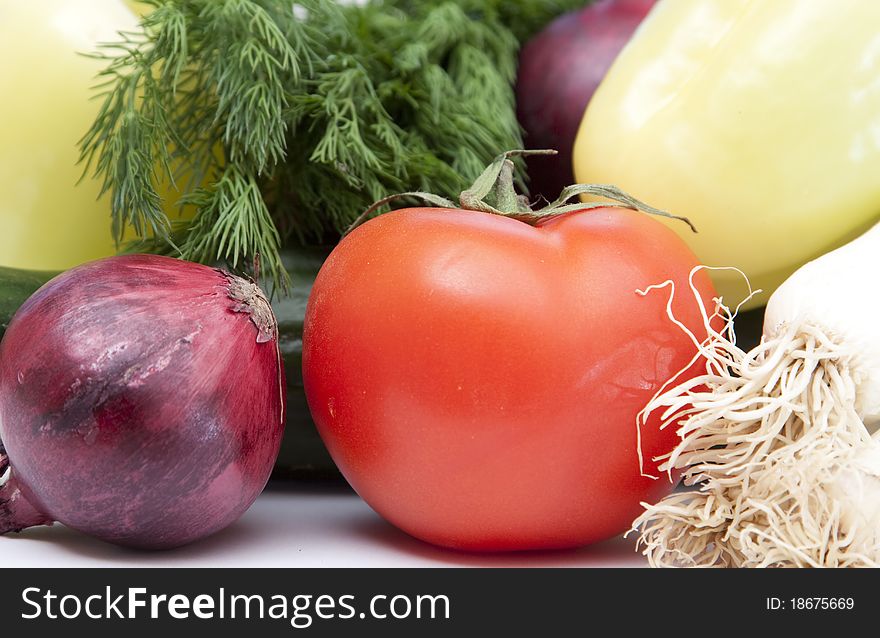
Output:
(560, 69)
(141, 401)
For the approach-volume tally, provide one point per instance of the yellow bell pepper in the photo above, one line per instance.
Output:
(760, 121)
(48, 221)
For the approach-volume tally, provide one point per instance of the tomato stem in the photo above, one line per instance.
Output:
(494, 192)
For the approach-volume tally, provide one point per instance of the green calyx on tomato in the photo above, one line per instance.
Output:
(494, 192)
(477, 379)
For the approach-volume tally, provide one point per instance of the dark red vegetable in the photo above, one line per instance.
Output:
(560, 69)
(141, 401)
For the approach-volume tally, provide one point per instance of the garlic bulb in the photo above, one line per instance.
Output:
(777, 439)
(829, 292)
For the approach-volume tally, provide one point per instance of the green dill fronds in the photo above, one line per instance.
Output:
(233, 222)
(282, 123)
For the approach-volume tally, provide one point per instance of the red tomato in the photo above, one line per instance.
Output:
(477, 379)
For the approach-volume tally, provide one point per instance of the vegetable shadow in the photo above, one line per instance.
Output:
(615, 552)
(301, 524)
(80, 545)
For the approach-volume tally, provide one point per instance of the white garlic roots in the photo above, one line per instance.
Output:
(782, 468)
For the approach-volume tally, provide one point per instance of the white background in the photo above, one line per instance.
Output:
(296, 525)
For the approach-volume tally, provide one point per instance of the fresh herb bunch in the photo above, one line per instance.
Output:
(282, 122)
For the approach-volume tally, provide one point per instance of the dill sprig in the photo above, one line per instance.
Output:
(282, 122)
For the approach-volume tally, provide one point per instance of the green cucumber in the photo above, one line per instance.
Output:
(16, 286)
(303, 454)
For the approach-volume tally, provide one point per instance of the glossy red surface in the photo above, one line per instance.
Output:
(477, 379)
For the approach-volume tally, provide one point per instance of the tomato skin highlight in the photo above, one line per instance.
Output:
(477, 379)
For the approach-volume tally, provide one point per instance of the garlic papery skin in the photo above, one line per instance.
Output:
(857, 488)
(839, 294)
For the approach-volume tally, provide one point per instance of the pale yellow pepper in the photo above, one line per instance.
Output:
(48, 220)
(758, 120)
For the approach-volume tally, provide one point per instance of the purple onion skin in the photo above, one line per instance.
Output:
(137, 404)
(559, 70)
